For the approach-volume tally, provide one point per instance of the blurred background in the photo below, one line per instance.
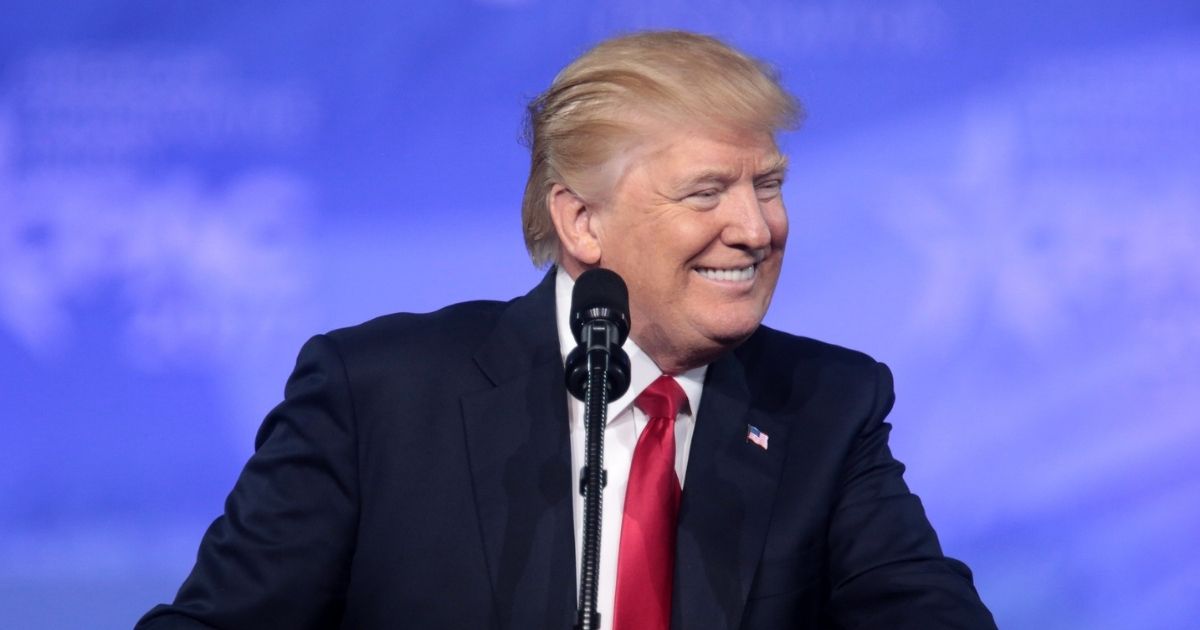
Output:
(998, 199)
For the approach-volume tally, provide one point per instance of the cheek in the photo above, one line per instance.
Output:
(777, 223)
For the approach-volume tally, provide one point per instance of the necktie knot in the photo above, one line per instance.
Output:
(664, 398)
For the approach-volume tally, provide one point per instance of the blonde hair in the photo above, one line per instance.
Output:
(586, 116)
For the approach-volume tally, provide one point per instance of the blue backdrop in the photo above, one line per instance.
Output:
(999, 199)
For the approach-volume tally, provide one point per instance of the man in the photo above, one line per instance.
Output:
(421, 471)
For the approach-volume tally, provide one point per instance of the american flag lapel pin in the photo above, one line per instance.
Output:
(754, 435)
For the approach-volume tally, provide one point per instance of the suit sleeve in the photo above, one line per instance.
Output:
(887, 569)
(279, 557)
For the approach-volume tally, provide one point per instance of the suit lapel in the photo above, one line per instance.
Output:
(518, 443)
(726, 503)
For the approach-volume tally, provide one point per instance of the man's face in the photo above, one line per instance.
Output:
(696, 227)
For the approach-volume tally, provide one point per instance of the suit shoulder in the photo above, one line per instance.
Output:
(459, 327)
(775, 347)
(790, 371)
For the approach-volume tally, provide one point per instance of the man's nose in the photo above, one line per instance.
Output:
(746, 223)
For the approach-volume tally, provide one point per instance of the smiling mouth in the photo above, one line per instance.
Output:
(740, 274)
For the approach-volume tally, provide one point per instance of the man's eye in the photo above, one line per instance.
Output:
(706, 194)
(768, 189)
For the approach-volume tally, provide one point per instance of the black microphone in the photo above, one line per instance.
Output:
(600, 324)
(597, 371)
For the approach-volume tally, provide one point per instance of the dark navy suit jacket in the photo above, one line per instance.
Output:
(417, 475)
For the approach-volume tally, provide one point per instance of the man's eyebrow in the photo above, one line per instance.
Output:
(777, 166)
(714, 175)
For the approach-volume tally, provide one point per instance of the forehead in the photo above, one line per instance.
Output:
(686, 151)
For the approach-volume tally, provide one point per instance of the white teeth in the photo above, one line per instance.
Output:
(727, 275)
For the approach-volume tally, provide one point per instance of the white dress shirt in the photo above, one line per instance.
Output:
(625, 424)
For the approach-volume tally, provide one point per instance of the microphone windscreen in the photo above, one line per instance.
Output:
(600, 293)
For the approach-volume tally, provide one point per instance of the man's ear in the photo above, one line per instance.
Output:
(574, 220)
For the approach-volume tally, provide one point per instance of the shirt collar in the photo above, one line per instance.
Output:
(643, 370)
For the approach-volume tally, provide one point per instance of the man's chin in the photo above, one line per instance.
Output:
(734, 330)
(727, 338)
(733, 340)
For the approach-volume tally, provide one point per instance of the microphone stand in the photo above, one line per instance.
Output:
(594, 477)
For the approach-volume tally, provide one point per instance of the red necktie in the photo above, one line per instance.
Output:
(646, 561)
